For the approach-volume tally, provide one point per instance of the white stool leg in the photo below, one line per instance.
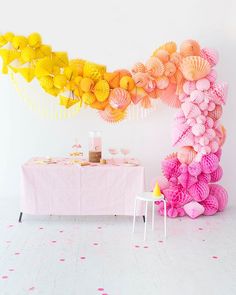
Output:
(153, 215)
(145, 224)
(164, 201)
(134, 218)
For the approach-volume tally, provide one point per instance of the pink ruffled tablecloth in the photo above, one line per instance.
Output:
(64, 188)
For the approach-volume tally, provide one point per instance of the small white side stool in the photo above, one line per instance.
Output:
(149, 198)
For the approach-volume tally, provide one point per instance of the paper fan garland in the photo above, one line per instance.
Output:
(181, 77)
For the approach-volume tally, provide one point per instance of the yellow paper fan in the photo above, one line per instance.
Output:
(27, 73)
(60, 59)
(67, 102)
(44, 67)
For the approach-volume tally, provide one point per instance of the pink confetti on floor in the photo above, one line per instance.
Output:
(215, 257)
(11, 269)
(99, 227)
(160, 241)
(31, 288)
(100, 289)
(62, 259)
(53, 241)
(41, 228)
(200, 228)
(104, 294)
(136, 246)
(8, 242)
(82, 257)
(10, 225)
(17, 253)
(61, 231)
(95, 244)
(4, 277)
(203, 240)
(145, 247)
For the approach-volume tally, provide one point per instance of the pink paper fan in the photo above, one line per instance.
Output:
(221, 90)
(209, 163)
(211, 55)
(199, 191)
(182, 136)
(211, 205)
(170, 97)
(194, 209)
(180, 117)
(217, 174)
(177, 196)
(220, 194)
(170, 167)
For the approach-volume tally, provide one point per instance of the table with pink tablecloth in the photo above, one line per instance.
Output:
(64, 188)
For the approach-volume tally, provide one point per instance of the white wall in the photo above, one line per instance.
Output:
(118, 34)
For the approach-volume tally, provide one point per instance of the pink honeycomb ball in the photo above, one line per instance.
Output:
(198, 129)
(214, 145)
(194, 168)
(217, 174)
(188, 87)
(197, 96)
(211, 106)
(211, 205)
(181, 212)
(203, 84)
(201, 119)
(205, 150)
(212, 76)
(204, 177)
(220, 194)
(203, 106)
(209, 163)
(209, 122)
(172, 212)
(204, 141)
(199, 191)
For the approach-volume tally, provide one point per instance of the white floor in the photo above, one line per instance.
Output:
(78, 255)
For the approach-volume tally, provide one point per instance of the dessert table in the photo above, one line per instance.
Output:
(66, 188)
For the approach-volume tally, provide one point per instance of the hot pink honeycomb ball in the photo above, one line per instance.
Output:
(199, 191)
(217, 174)
(209, 163)
(220, 194)
(210, 204)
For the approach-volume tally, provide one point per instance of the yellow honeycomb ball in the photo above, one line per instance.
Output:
(88, 98)
(46, 82)
(19, 42)
(35, 40)
(9, 36)
(60, 81)
(127, 83)
(78, 80)
(86, 84)
(27, 54)
(102, 90)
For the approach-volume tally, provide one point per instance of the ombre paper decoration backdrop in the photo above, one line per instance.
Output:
(183, 78)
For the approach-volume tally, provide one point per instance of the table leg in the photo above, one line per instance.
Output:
(20, 217)
(153, 214)
(143, 218)
(164, 218)
(134, 218)
(145, 225)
